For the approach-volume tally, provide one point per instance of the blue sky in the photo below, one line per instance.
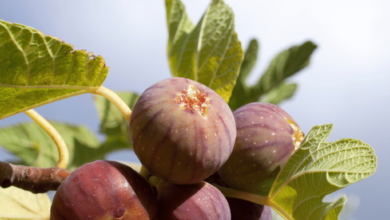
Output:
(345, 84)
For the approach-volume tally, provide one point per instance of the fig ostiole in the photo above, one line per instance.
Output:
(181, 130)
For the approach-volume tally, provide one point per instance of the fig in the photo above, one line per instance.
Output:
(182, 131)
(200, 201)
(244, 210)
(104, 190)
(266, 138)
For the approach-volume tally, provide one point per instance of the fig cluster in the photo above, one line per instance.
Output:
(187, 138)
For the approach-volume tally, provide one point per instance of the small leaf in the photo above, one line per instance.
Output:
(34, 147)
(241, 90)
(112, 123)
(319, 168)
(279, 93)
(210, 52)
(284, 65)
(16, 203)
(36, 69)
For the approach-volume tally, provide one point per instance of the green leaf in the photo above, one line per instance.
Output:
(16, 203)
(210, 52)
(284, 65)
(242, 90)
(36, 69)
(319, 168)
(34, 147)
(112, 122)
(279, 93)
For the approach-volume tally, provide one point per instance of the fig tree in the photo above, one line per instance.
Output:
(266, 138)
(182, 131)
(200, 201)
(104, 190)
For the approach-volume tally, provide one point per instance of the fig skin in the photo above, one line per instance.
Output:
(104, 190)
(200, 201)
(264, 143)
(244, 210)
(178, 144)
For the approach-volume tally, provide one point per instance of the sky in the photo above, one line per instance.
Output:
(345, 83)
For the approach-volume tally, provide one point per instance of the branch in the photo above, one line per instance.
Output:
(33, 179)
(63, 158)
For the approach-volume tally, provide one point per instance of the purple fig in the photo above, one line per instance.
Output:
(182, 131)
(200, 201)
(266, 138)
(104, 190)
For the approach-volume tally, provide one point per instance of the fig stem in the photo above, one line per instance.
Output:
(261, 200)
(233, 193)
(63, 153)
(116, 100)
(144, 172)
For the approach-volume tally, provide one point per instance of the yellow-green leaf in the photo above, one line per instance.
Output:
(319, 168)
(18, 204)
(36, 69)
(209, 52)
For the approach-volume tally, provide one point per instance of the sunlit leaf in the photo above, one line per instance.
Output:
(319, 168)
(209, 52)
(36, 69)
(18, 204)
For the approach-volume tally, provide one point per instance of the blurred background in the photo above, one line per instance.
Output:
(345, 83)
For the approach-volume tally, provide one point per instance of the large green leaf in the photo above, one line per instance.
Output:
(319, 168)
(209, 52)
(112, 122)
(279, 93)
(34, 147)
(18, 204)
(36, 69)
(284, 65)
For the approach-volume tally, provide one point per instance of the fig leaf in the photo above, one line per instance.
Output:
(319, 168)
(16, 203)
(36, 69)
(210, 52)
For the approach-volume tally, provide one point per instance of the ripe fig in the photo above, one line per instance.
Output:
(244, 210)
(104, 190)
(266, 138)
(200, 201)
(182, 131)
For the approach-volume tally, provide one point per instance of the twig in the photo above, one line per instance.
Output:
(33, 179)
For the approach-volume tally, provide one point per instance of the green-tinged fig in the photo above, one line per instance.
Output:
(200, 201)
(266, 138)
(104, 190)
(182, 131)
(244, 210)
